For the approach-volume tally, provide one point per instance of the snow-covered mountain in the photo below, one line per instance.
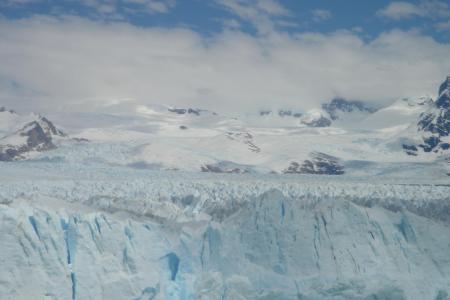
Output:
(23, 136)
(357, 137)
(435, 123)
(339, 106)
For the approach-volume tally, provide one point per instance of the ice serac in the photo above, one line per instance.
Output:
(238, 239)
(435, 123)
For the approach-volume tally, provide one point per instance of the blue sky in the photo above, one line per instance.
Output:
(210, 17)
(219, 54)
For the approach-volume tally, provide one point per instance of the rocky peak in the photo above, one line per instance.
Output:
(49, 128)
(3, 109)
(315, 118)
(444, 94)
(318, 163)
(36, 134)
(343, 105)
(445, 85)
(436, 122)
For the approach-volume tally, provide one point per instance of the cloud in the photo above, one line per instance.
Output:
(443, 26)
(155, 6)
(321, 15)
(20, 2)
(74, 64)
(398, 10)
(264, 15)
(107, 7)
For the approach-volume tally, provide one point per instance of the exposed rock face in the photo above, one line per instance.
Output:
(436, 122)
(192, 111)
(315, 118)
(3, 109)
(226, 167)
(246, 138)
(289, 113)
(410, 149)
(317, 122)
(282, 113)
(319, 164)
(34, 136)
(339, 104)
(444, 94)
(49, 128)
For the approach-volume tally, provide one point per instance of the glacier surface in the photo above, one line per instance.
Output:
(104, 232)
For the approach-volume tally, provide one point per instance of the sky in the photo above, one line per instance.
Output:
(224, 55)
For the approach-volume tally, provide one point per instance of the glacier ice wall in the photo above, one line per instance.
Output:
(177, 239)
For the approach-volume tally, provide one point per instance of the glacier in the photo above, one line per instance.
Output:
(112, 232)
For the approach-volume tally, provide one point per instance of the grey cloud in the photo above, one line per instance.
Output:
(427, 9)
(264, 15)
(70, 63)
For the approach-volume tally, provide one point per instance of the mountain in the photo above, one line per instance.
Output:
(435, 123)
(402, 113)
(34, 134)
(318, 164)
(340, 107)
(315, 118)
(340, 138)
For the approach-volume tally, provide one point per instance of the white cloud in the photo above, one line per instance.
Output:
(272, 7)
(443, 26)
(18, 3)
(321, 15)
(264, 15)
(75, 64)
(156, 6)
(398, 10)
(110, 7)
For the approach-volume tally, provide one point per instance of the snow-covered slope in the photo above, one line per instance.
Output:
(401, 114)
(190, 139)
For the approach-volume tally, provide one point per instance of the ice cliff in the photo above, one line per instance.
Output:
(167, 236)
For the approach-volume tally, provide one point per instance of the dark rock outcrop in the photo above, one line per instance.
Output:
(436, 122)
(34, 136)
(289, 113)
(318, 164)
(340, 104)
(282, 113)
(192, 111)
(226, 167)
(244, 137)
(410, 149)
(317, 122)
